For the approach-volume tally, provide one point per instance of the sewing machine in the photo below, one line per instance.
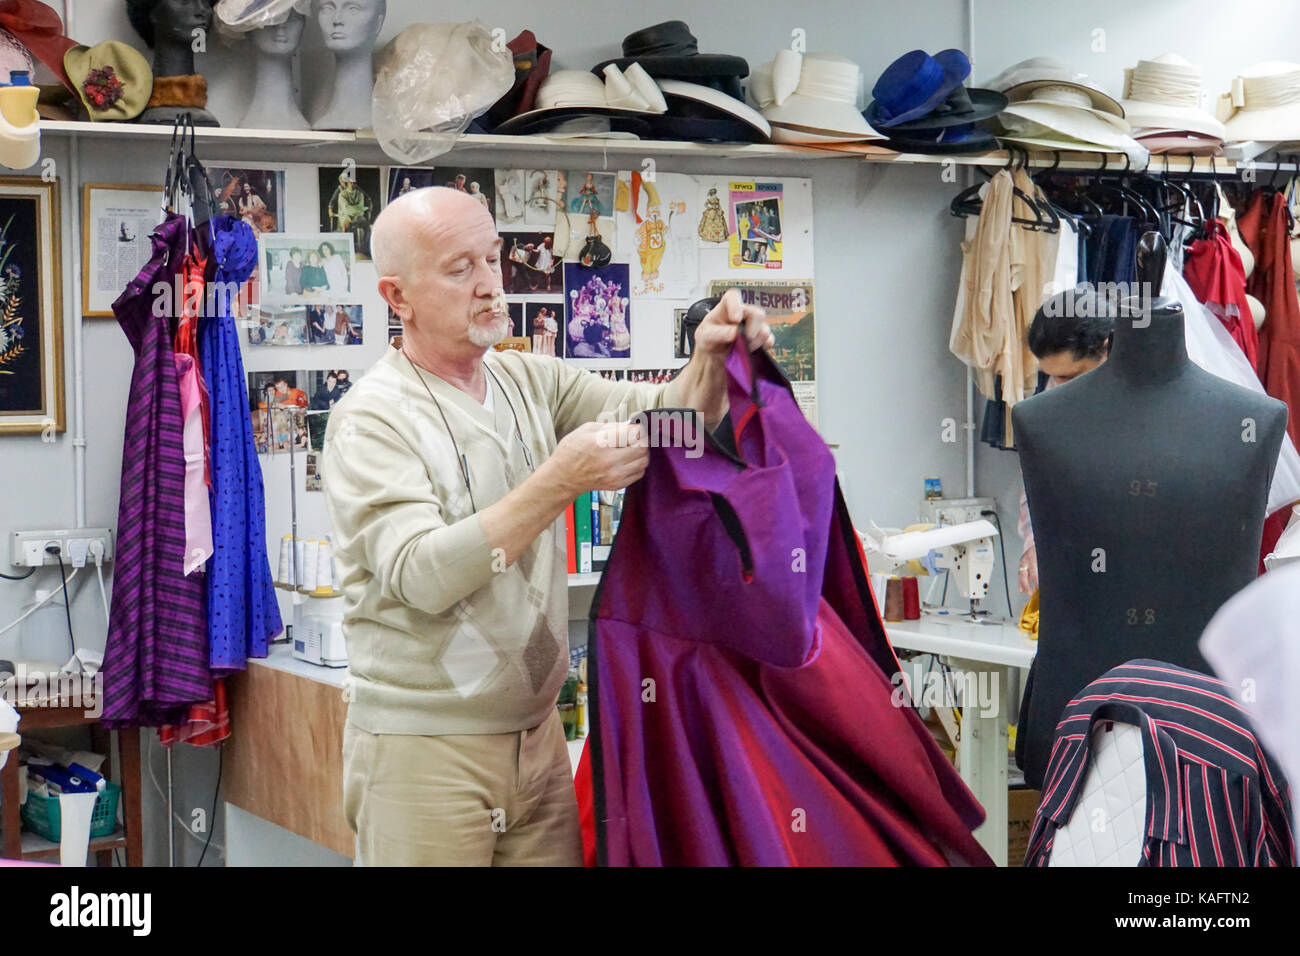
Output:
(965, 550)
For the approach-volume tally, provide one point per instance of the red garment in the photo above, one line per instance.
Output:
(582, 786)
(1265, 227)
(206, 724)
(187, 343)
(1216, 276)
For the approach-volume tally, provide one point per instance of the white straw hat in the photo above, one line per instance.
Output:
(1061, 117)
(1264, 104)
(810, 97)
(1165, 94)
(1020, 80)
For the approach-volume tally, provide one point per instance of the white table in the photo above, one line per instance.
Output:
(971, 650)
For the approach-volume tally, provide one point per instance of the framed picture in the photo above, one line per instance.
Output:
(31, 308)
(115, 225)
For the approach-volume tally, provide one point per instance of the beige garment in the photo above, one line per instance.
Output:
(462, 799)
(1033, 267)
(984, 319)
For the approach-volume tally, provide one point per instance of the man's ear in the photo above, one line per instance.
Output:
(392, 293)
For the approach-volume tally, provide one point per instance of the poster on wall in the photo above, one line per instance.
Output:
(789, 307)
(31, 319)
(478, 181)
(754, 222)
(657, 229)
(711, 230)
(587, 212)
(597, 317)
(511, 192)
(542, 189)
(116, 223)
(254, 195)
(407, 179)
(349, 203)
(529, 265)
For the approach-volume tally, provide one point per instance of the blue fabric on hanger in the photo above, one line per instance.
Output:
(243, 613)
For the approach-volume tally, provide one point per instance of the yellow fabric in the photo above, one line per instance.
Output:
(1029, 616)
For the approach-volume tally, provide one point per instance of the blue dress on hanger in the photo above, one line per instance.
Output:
(243, 613)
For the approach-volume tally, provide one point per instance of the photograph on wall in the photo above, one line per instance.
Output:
(335, 323)
(31, 320)
(279, 389)
(597, 318)
(275, 428)
(542, 325)
(312, 470)
(511, 192)
(528, 264)
(317, 422)
(349, 203)
(298, 267)
(789, 307)
(650, 376)
(277, 325)
(326, 386)
(478, 181)
(116, 225)
(754, 219)
(514, 343)
(658, 229)
(407, 179)
(712, 228)
(254, 195)
(588, 210)
(516, 312)
(542, 189)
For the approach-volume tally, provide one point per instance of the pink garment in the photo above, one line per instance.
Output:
(198, 509)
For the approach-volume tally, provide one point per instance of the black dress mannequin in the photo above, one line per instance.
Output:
(169, 28)
(1147, 481)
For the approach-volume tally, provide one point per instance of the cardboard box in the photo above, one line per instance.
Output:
(1021, 805)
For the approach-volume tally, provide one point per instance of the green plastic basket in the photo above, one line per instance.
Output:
(41, 814)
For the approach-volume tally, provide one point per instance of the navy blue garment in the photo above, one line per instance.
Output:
(1111, 249)
(243, 614)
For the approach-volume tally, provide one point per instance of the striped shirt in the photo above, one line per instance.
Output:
(1214, 797)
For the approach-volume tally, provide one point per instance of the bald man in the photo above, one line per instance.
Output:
(449, 467)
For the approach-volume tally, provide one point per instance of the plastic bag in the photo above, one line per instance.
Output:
(431, 81)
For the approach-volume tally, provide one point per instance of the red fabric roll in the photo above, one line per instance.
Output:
(911, 600)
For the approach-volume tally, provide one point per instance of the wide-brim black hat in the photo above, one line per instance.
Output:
(698, 114)
(549, 119)
(671, 51)
(947, 140)
(963, 106)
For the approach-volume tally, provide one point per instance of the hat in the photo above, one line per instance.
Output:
(37, 27)
(20, 135)
(568, 101)
(914, 85)
(1062, 117)
(241, 16)
(14, 56)
(1020, 80)
(113, 79)
(670, 51)
(1179, 142)
(702, 114)
(532, 66)
(810, 98)
(1165, 94)
(964, 138)
(1264, 104)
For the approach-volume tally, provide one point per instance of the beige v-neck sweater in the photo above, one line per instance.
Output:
(443, 638)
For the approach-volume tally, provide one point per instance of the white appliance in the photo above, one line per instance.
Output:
(318, 631)
(964, 549)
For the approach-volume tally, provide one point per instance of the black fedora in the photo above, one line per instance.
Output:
(670, 51)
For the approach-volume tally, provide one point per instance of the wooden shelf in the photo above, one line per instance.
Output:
(36, 847)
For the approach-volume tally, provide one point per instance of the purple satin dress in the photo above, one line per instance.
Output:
(156, 658)
(744, 707)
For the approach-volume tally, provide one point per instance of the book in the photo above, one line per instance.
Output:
(582, 532)
(571, 548)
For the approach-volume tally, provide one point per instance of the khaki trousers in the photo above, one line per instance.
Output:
(462, 799)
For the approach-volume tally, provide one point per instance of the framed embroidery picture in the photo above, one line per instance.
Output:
(116, 225)
(31, 308)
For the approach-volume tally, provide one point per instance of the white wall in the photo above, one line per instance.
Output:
(886, 248)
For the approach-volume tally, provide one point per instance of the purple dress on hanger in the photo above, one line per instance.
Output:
(156, 658)
(243, 614)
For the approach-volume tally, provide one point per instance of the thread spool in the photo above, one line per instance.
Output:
(310, 566)
(299, 560)
(324, 570)
(894, 600)
(911, 599)
(282, 566)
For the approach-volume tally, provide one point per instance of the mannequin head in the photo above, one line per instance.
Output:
(350, 25)
(169, 22)
(282, 39)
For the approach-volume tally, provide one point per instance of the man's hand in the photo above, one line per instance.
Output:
(714, 337)
(600, 456)
(1029, 571)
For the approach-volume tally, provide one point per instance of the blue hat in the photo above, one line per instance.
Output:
(914, 85)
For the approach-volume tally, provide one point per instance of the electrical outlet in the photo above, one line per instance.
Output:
(948, 511)
(28, 547)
